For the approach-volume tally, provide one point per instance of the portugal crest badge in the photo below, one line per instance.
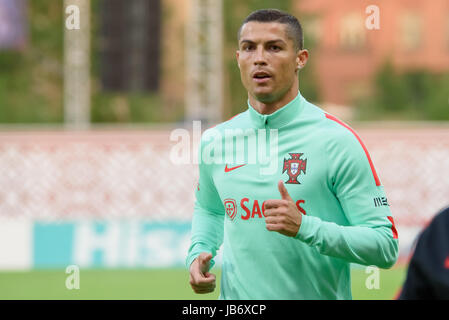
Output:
(230, 207)
(294, 167)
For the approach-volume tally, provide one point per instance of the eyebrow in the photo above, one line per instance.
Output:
(268, 42)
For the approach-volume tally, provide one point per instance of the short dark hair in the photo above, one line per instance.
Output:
(294, 28)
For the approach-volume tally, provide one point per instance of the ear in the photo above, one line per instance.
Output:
(237, 55)
(301, 58)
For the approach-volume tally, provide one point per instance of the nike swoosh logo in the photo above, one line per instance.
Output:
(233, 168)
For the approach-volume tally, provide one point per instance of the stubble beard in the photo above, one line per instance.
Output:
(271, 97)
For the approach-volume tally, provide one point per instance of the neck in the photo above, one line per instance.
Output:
(270, 107)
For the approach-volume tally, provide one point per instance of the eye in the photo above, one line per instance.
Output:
(247, 47)
(275, 48)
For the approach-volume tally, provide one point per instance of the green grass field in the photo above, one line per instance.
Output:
(153, 284)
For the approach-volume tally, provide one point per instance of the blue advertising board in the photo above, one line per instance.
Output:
(110, 244)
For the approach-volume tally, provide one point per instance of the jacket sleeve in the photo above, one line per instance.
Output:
(370, 238)
(208, 214)
(417, 285)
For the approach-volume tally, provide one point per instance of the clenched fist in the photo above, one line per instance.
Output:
(201, 280)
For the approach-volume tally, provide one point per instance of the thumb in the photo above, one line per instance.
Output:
(283, 191)
(204, 261)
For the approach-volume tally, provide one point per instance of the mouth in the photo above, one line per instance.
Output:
(261, 76)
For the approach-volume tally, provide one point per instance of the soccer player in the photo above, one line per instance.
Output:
(428, 270)
(291, 232)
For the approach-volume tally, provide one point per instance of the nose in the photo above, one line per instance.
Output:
(259, 58)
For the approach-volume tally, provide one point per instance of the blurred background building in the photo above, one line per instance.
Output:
(412, 36)
(107, 195)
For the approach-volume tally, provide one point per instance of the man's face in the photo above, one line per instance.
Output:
(267, 59)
